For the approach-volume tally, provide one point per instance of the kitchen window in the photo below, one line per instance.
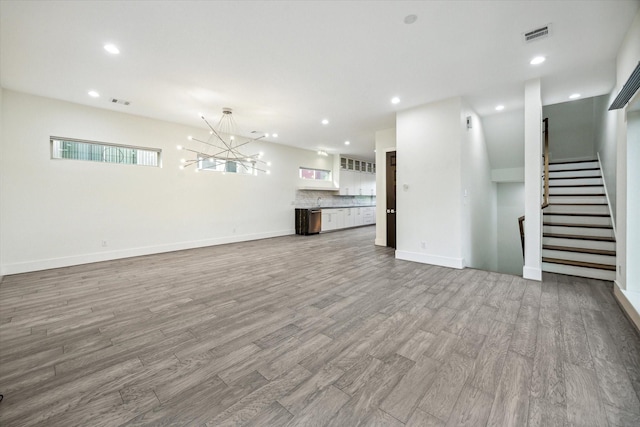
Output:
(315, 174)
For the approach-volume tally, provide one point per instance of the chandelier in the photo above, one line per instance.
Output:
(221, 151)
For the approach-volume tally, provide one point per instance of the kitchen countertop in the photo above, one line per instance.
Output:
(336, 207)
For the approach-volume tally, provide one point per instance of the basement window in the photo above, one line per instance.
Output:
(73, 149)
(315, 174)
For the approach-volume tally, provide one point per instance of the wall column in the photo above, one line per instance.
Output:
(532, 180)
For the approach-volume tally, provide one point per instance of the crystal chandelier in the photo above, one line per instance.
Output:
(221, 151)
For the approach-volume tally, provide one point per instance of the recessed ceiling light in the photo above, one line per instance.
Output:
(325, 121)
(410, 19)
(274, 135)
(395, 100)
(499, 107)
(537, 60)
(347, 143)
(575, 96)
(94, 94)
(111, 48)
(266, 135)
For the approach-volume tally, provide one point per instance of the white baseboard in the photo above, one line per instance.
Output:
(532, 273)
(630, 303)
(46, 264)
(381, 242)
(431, 259)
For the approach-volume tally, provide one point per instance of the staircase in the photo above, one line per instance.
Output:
(577, 236)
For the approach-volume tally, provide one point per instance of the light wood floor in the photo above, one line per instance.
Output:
(311, 331)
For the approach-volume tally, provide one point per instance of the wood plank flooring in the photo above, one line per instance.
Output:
(325, 330)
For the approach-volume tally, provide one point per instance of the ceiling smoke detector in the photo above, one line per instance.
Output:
(537, 34)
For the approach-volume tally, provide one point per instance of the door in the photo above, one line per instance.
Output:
(391, 199)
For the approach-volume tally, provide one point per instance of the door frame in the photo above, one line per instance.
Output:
(381, 196)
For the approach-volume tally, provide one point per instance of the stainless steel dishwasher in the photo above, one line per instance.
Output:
(308, 221)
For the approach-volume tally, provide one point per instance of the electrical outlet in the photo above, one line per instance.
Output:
(423, 244)
(104, 243)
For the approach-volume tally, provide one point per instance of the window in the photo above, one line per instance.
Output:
(64, 148)
(316, 174)
(223, 165)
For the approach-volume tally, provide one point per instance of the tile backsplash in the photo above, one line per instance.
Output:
(311, 198)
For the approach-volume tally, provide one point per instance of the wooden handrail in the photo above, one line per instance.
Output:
(521, 225)
(545, 197)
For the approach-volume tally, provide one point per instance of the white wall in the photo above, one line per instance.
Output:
(605, 145)
(57, 212)
(478, 197)
(633, 202)
(510, 206)
(446, 201)
(627, 59)
(385, 142)
(1, 179)
(504, 133)
(532, 183)
(573, 129)
(429, 184)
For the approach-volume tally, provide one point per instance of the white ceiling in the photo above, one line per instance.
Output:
(285, 65)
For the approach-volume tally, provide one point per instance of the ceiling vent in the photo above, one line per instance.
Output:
(120, 101)
(628, 90)
(537, 34)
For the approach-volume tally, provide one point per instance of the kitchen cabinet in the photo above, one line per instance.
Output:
(338, 218)
(350, 217)
(350, 183)
(357, 177)
(354, 183)
(368, 215)
(328, 220)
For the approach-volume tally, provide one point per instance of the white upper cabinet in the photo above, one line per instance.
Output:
(357, 177)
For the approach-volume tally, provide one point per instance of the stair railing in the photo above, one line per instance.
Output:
(521, 226)
(545, 195)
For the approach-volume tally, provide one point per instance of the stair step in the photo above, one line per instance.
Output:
(580, 264)
(578, 195)
(579, 256)
(577, 177)
(577, 230)
(558, 224)
(572, 181)
(567, 190)
(582, 173)
(577, 199)
(579, 243)
(556, 208)
(593, 273)
(580, 250)
(577, 220)
(577, 237)
(575, 185)
(594, 168)
(568, 162)
(576, 214)
(578, 204)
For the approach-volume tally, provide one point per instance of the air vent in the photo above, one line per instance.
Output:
(628, 90)
(537, 34)
(120, 101)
